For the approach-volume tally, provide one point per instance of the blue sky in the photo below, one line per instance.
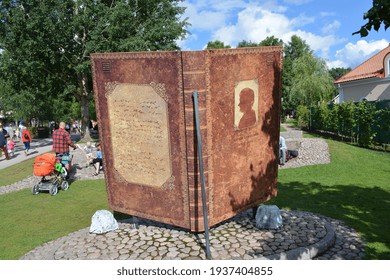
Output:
(326, 26)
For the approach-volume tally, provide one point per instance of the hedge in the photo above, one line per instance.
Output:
(365, 123)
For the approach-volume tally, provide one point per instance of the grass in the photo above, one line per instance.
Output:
(353, 188)
(28, 221)
(16, 172)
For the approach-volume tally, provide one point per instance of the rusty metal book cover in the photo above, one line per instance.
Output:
(147, 129)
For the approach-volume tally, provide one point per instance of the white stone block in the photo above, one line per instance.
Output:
(268, 217)
(103, 221)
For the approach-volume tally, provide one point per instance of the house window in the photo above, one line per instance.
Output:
(387, 65)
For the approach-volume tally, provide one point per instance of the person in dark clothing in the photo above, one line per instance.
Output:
(3, 141)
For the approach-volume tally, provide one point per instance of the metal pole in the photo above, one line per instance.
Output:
(204, 201)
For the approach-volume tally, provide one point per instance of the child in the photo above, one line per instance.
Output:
(88, 153)
(11, 147)
(98, 160)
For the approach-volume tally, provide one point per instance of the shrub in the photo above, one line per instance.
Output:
(303, 116)
(363, 122)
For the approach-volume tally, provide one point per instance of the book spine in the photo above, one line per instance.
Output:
(194, 80)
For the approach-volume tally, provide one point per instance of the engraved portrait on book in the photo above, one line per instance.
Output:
(246, 100)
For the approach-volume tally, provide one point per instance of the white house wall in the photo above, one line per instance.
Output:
(371, 89)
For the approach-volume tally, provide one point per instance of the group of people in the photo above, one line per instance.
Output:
(62, 142)
(7, 138)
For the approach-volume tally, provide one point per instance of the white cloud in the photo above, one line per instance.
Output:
(203, 19)
(354, 54)
(336, 64)
(255, 23)
(232, 21)
(301, 20)
(319, 44)
(331, 28)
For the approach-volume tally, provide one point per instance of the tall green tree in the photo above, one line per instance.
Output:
(246, 44)
(46, 44)
(338, 72)
(30, 36)
(293, 50)
(376, 16)
(271, 41)
(312, 83)
(212, 45)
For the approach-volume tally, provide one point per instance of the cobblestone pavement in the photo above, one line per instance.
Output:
(303, 235)
(311, 151)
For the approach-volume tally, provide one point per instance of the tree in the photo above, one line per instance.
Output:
(312, 81)
(247, 44)
(216, 45)
(293, 50)
(338, 72)
(376, 16)
(29, 37)
(296, 48)
(271, 41)
(46, 44)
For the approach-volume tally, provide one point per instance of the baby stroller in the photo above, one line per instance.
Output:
(51, 165)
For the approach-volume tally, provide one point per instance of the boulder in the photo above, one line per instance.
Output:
(103, 221)
(268, 217)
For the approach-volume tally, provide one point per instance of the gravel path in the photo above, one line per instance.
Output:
(311, 151)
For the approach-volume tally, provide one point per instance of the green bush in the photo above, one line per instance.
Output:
(303, 116)
(347, 121)
(364, 117)
(365, 123)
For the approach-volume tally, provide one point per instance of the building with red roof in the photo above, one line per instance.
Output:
(369, 81)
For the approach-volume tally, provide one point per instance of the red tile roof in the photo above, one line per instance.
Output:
(373, 67)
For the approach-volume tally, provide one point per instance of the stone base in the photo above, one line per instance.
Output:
(303, 236)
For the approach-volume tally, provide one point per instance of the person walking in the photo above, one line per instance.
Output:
(26, 139)
(3, 141)
(11, 147)
(62, 141)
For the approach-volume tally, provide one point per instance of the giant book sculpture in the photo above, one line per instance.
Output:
(145, 111)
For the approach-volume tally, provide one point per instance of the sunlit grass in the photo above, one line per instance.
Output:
(353, 188)
(16, 172)
(28, 221)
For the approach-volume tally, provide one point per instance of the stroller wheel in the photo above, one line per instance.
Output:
(35, 189)
(53, 189)
(64, 185)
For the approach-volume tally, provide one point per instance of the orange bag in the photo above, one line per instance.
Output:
(44, 164)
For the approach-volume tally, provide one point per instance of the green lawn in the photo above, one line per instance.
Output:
(354, 188)
(28, 221)
(16, 172)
